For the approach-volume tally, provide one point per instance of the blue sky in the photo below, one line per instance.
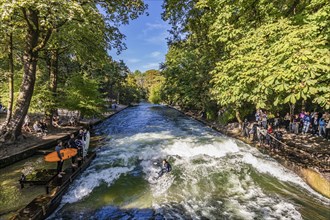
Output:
(145, 40)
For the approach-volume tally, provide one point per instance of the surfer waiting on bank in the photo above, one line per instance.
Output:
(166, 168)
(58, 148)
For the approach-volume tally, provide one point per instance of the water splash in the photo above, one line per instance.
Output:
(89, 181)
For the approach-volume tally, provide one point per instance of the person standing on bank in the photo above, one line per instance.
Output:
(58, 148)
(72, 144)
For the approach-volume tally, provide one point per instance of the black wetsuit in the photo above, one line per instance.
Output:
(166, 168)
(59, 163)
(72, 144)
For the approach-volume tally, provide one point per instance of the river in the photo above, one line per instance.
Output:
(213, 176)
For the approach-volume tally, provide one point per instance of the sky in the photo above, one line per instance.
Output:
(145, 40)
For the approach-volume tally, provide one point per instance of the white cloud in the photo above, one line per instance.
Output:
(151, 66)
(155, 54)
(157, 39)
(133, 60)
(156, 25)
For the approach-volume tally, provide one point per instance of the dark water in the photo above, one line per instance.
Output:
(213, 176)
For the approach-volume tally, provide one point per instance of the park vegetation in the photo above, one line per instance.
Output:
(54, 54)
(224, 56)
(238, 56)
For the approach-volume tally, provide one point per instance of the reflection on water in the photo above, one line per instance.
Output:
(12, 197)
(213, 176)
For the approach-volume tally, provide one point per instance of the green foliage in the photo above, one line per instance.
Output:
(42, 99)
(81, 93)
(155, 94)
(74, 70)
(261, 54)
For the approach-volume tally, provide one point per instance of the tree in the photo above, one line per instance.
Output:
(246, 55)
(40, 19)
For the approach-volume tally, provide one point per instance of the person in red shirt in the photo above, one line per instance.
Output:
(269, 132)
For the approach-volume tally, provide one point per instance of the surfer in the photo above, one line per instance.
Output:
(166, 168)
(72, 144)
(58, 148)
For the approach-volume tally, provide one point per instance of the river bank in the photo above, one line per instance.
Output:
(27, 146)
(21, 155)
(307, 156)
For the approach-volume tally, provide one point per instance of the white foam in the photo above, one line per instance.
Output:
(188, 149)
(275, 169)
(85, 184)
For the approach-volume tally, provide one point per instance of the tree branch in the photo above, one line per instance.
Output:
(26, 18)
(44, 41)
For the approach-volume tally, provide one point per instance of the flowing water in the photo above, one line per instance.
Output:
(213, 176)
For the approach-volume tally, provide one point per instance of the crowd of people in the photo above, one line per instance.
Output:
(74, 142)
(40, 125)
(264, 128)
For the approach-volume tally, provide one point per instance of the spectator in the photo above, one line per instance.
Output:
(322, 127)
(264, 120)
(295, 124)
(72, 121)
(287, 119)
(301, 116)
(2, 108)
(72, 144)
(246, 132)
(27, 124)
(279, 137)
(254, 131)
(43, 126)
(327, 131)
(257, 115)
(277, 121)
(307, 122)
(315, 124)
(37, 127)
(56, 121)
(269, 132)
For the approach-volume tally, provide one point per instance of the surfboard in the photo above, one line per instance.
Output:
(86, 144)
(65, 153)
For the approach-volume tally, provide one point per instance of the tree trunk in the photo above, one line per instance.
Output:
(292, 107)
(10, 80)
(30, 57)
(238, 117)
(303, 105)
(52, 66)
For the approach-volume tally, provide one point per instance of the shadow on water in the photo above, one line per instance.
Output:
(113, 212)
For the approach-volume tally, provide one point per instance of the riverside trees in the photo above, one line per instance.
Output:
(71, 36)
(247, 54)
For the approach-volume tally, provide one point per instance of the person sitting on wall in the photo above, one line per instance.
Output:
(43, 126)
(37, 127)
(56, 121)
(72, 121)
(27, 124)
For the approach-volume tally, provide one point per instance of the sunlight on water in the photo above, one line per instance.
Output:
(213, 176)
